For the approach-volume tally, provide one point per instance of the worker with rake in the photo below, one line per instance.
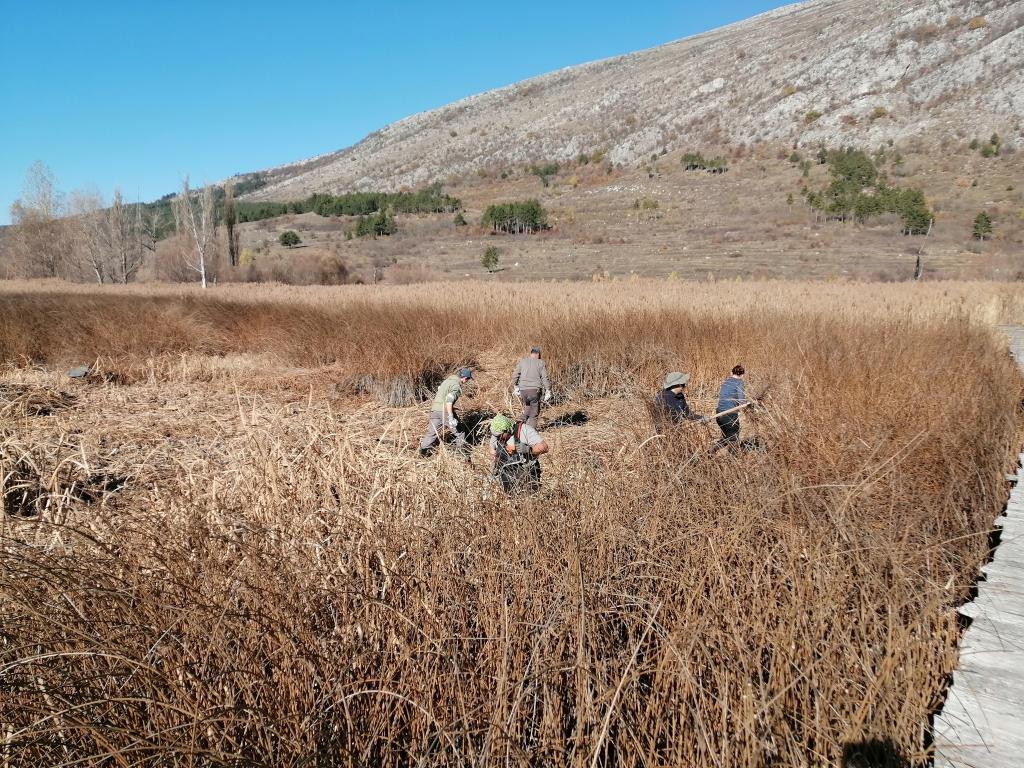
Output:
(528, 380)
(443, 415)
(731, 399)
(515, 448)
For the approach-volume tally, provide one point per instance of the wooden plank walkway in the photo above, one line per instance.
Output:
(982, 722)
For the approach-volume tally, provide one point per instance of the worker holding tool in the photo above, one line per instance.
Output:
(731, 398)
(670, 406)
(528, 379)
(515, 448)
(443, 415)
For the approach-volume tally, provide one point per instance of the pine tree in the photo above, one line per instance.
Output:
(490, 258)
(982, 226)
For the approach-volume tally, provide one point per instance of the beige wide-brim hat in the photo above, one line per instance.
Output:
(676, 379)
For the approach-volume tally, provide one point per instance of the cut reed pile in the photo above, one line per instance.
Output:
(313, 597)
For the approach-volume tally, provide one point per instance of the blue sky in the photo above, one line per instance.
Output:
(137, 94)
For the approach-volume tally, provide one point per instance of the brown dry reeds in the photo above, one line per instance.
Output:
(293, 590)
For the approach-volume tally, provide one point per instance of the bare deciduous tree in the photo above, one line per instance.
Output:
(195, 220)
(40, 243)
(230, 218)
(125, 237)
(86, 222)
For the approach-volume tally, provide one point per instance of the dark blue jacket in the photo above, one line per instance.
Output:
(731, 394)
(674, 406)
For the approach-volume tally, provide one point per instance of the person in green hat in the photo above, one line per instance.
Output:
(515, 447)
(443, 415)
(670, 406)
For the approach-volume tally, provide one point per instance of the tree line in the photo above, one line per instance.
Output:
(429, 200)
(526, 216)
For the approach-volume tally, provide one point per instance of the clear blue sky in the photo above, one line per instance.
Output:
(137, 94)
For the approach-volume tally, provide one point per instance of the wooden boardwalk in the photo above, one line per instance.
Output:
(982, 722)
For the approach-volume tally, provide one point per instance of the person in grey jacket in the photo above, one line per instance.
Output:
(529, 380)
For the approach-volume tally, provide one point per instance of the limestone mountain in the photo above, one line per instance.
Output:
(835, 71)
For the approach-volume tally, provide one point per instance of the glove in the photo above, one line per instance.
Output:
(453, 423)
(516, 390)
(547, 395)
(524, 450)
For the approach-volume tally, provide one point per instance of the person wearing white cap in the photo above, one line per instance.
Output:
(670, 406)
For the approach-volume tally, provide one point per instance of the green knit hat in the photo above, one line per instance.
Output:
(501, 424)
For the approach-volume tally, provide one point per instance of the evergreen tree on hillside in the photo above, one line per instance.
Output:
(982, 226)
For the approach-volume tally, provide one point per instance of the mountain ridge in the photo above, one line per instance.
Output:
(824, 71)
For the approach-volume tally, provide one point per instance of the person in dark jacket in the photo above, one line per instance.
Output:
(670, 406)
(730, 395)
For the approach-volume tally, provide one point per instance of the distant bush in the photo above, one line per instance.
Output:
(693, 161)
(978, 22)
(924, 33)
(544, 171)
(982, 226)
(490, 258)
(812, 116)
(289, 238)
(878, 113)
(459, 220)
(526, 216)
(795, 158)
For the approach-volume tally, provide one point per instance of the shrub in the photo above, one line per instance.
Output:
(812, 116)
(693, 161)
(490, 258)
(878, 113)
(974, 144)
(982, 226)
(544, 171)
(978, 22)
(289, 238)
(924, 33)
(459, 220)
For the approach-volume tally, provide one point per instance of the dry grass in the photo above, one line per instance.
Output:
(217, 555)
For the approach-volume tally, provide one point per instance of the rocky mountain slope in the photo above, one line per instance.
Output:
(835, 71)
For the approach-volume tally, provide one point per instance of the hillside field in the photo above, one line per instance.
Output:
(657, 220)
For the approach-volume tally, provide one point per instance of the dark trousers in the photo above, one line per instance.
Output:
(531, 405)
(730, 426)
(520, 477)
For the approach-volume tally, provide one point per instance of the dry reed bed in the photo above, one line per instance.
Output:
(304, 594)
